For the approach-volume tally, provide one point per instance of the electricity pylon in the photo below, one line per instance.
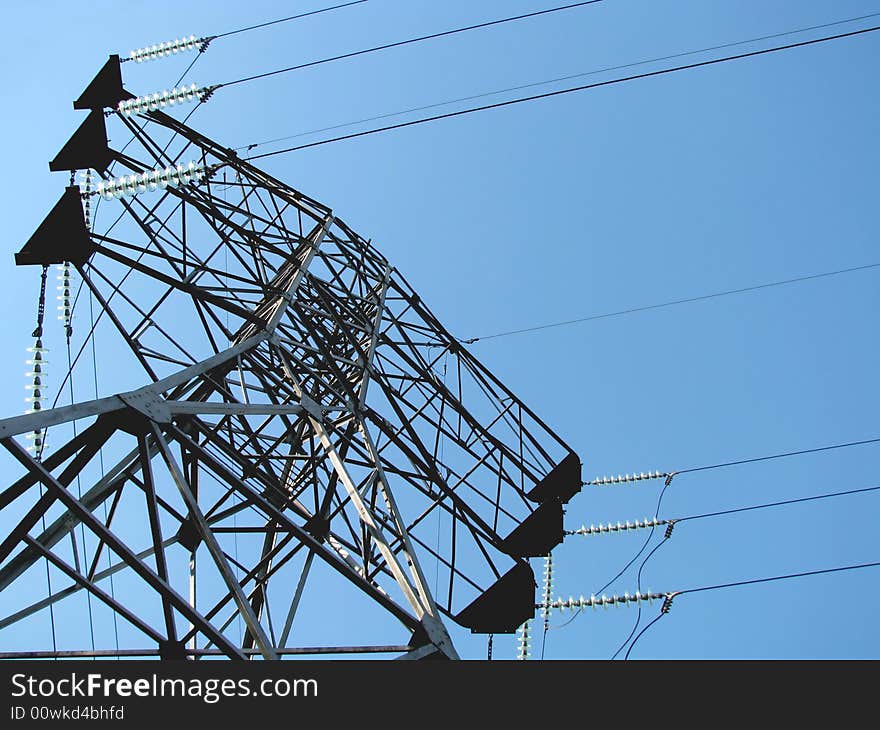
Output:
(304, 412)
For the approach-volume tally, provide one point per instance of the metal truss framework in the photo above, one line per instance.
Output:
(301, 398)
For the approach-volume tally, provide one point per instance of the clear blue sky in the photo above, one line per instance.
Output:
(663, 188)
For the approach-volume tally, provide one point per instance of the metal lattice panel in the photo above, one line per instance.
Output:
(300, 400)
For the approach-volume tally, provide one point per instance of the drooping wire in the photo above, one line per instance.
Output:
(753, 460)
(647, 541)
(553, 81)
(560, 92)
(409, 41)
(635, 557)
(674, 302)
(642, 633)
(719, 513)
(639, 588)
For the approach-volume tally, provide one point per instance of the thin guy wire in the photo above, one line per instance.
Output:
(546, 82)
(549, 94)
(408, 41)
(38, 333)
(101, 459)
(284, 20)
(49, 582)
(671, 303)
(79, 492)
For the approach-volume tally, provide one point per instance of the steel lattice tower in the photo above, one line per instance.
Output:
(301, 399)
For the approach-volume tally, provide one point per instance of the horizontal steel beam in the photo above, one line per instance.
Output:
(99, 653)
(52, 417)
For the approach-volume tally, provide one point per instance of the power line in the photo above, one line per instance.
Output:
(720, 513)
(753, 581)
(767, 505)
(669, 475)
(704, 515)
(284, 20)
(203, 46)
(150, 53)
(777, 456)
(560, 92)
(406, 42)
(555, 80)
(674, 302)
(785, 576)
(724, 465)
